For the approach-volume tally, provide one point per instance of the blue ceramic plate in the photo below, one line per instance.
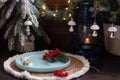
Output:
(37, 64)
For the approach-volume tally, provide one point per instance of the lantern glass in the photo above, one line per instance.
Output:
(85, 38)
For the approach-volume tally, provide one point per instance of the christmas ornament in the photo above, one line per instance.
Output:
(112, 29)
(28, 24)
(71, 23)
(94, 27)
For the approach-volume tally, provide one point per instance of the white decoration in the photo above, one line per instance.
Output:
(71, 29)
(94, 27)
(71, 23)
(112, 31)
(17, 0)
(28, 23)
(27, 75)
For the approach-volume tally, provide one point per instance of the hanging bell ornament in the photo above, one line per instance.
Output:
(112, 31)
(27, 24)
(94, 27)
(71, 23)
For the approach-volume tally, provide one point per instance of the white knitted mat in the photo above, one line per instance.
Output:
(29, 76)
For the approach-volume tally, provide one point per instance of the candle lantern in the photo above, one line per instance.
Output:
(90, 41)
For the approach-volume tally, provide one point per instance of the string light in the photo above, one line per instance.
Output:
(68, 1)
(55, 12)
(70, 15)
(43, 10)
(64, 19)
(77, 7)
(44, 7)
(66, 9)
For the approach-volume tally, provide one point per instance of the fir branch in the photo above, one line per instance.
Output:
(36, 31)
(9, 30)
(17, 27)
(44, 36)
(32, 1)
(34, 10)
(27, 9)
(11, 7)
(21, 38)
(34, 20)
(2, 3)
(23, 9)
(38, 4)
(2, 16)
(16, 21)
(11, 41)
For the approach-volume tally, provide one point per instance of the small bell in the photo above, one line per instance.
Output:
(94, 27)
(71, 23)
(112, 31)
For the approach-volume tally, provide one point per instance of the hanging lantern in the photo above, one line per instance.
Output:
(112, 31)
(27, 24)
(71, 23)
(94, 27)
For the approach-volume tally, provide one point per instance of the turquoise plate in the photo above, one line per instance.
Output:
(37, 64)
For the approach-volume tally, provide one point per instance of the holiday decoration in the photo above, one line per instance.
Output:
(55, 55)
(28, 24)
(60, 73)
(71, 24)
(94, 27)
(112, 30)
(25, 61)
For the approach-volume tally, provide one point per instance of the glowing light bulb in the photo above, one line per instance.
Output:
(54, 14)
(44, 6)
(66, 9)
(70, 15)
(68, 1)
(64, 18)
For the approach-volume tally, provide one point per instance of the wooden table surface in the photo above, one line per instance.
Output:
(108, 66)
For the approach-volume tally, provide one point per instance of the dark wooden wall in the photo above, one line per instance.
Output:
(58, 33)
(57, 4)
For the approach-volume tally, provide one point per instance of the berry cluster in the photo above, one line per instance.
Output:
(51, 54)
(60, 73)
